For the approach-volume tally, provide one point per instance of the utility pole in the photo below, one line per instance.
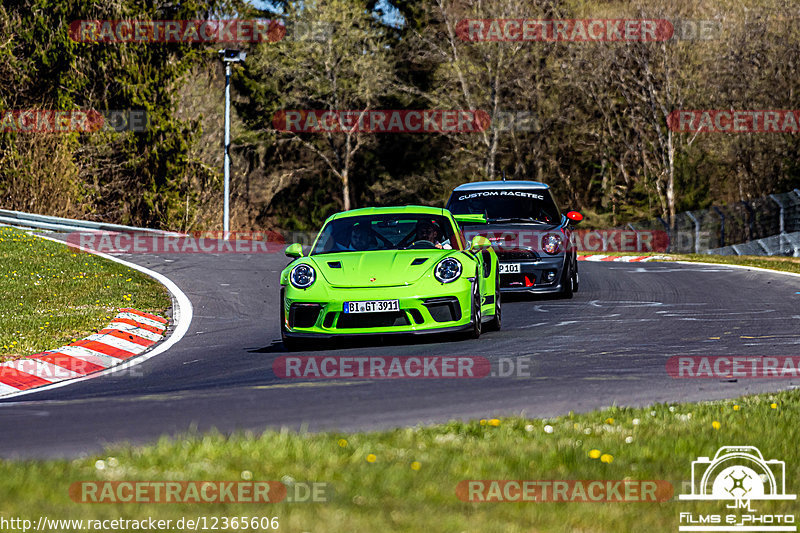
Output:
(228, 56)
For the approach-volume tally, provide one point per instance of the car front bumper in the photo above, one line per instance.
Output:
(319, 313)
(532, 276)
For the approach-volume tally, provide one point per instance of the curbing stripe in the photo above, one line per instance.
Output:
(96, 353)
(620, 258)
(77, 365)
(148, 316)
(133, 330)
(18, 379)
(115, 343)
(86, 354)
(105, 349)
(141, 326)
(182, 313)
(143, 320)
(41, 369)
(127, 336)
(7, 389)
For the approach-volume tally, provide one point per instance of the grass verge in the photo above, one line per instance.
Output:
(53, 295)
(405, 480)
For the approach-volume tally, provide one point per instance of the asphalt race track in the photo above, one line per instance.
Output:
(608, 345)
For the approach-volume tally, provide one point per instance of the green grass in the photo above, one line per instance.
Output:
(654, 443)
(53, 295)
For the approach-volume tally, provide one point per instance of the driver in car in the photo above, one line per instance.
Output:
(428, 231)
(361, 238)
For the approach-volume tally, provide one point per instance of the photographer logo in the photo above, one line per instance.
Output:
(737, 475)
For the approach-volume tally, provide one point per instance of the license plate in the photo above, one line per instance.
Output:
(509, 268)
(372, 306)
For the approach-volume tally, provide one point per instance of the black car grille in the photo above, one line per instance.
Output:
(371, 320)
(516, 255)
(516, 281)
(445, 309)
(304, 315)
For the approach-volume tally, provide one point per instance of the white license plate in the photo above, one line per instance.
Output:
(509, 268)
(372, 306)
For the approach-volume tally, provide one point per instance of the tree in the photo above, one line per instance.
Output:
(350, 70)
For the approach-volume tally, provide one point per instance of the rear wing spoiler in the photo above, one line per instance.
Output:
(470, 219)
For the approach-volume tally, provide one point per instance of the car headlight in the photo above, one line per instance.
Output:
(447, 270)
(552, 243)
(302, 276)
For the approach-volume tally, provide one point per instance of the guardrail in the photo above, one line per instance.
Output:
(764, 226)
(29, 220)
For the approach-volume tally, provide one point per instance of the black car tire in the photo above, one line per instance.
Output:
(567, 281)
(496, 323)
(575, 279)
(475, 332)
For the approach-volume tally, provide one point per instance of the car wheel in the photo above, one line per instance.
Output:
(476, 309)
(497, 321)
(567, 282)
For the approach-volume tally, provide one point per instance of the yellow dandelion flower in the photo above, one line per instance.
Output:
(609, 420)
(735, 407)
(716, 425)
(483, 422)
(606, 458)
(371, 458)
(773, 405)
(416, 465)
(342, 443)
(594, 454)
(494, 422)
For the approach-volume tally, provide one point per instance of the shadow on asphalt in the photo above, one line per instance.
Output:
(528, 297)
(371, 341)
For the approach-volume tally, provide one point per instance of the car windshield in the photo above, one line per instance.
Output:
(507, 205)
(386, 232)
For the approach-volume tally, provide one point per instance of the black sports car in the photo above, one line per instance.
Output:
(531, 237)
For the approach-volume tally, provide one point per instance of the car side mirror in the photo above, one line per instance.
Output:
(294, 250)
(479, 242)
(574, 216)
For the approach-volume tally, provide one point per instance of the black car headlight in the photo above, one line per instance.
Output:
(552, 243)
(302, 276)
(447, 270)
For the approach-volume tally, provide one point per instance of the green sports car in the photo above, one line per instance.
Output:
(387, 270)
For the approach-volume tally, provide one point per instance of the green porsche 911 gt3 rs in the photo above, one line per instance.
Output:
(390, 270)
